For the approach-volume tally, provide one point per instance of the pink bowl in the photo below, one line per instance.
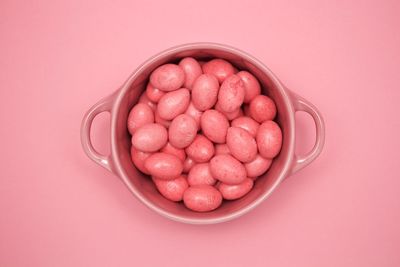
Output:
(119, 162)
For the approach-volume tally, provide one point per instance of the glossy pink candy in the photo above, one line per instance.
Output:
(220, 68)
(231, 192)
(173, 103)
(205, 92)
(139, 115)
(172, 189)
(227, 169)
(182, 131)
(246, 123)
(164, 166)
(262, 108)
(201, 149)
(258, 166)
(231, 94)
(150, 137)
(168, 77)
(202, 198)
(192, 71)
(252, 87)
(241, 143)
(214, 125)
(269, 139)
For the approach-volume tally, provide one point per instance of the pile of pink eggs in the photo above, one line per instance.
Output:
(203, 132)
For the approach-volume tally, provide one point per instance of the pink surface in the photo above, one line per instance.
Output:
(58, 208)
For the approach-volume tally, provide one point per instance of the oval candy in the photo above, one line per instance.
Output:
(172, 189)
(262, 108)
(201, 149)
(232, 192)
(167, 77)
(173, 103)
(202, 198)
(214, 125)
(192, 71)
(139, 115)
(269, 139)
(164, 166)
(231, 94)
(150, 137)
(227, 169)
(205, 92)
(220, 68)
(182, 131)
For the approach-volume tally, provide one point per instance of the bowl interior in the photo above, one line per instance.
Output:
(142, 185)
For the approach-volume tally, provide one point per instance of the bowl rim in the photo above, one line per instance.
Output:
(120, 94)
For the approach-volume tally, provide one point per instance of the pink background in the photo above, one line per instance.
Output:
(58, 208)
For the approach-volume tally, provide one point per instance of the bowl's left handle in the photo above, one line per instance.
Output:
(104, 105)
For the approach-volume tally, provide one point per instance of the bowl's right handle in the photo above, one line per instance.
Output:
(104, 105)
(301, 104)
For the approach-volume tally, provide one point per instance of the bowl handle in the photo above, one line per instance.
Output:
(104, 105)
(300, 104)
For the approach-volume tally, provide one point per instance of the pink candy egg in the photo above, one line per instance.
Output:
(205, 92)
(150, 137)
(138, 157)
(200, 174)
(222, 149)
(172, 189)
(269, 139)
(242, 144)
(246, 123)
(227, 169)
(153, 93)
(231, 94)
(202, 198)
(168, 77)
(164, 166)
(182, 131)
(252, 87)
(201, 149)
(139, 115)
(173, 103)
(231, 192)
(262, 108)
(192, 71)
(193, 112)
(219, 68)
(258, 166)
(214, 125)
(188, 164)
(170, 149)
